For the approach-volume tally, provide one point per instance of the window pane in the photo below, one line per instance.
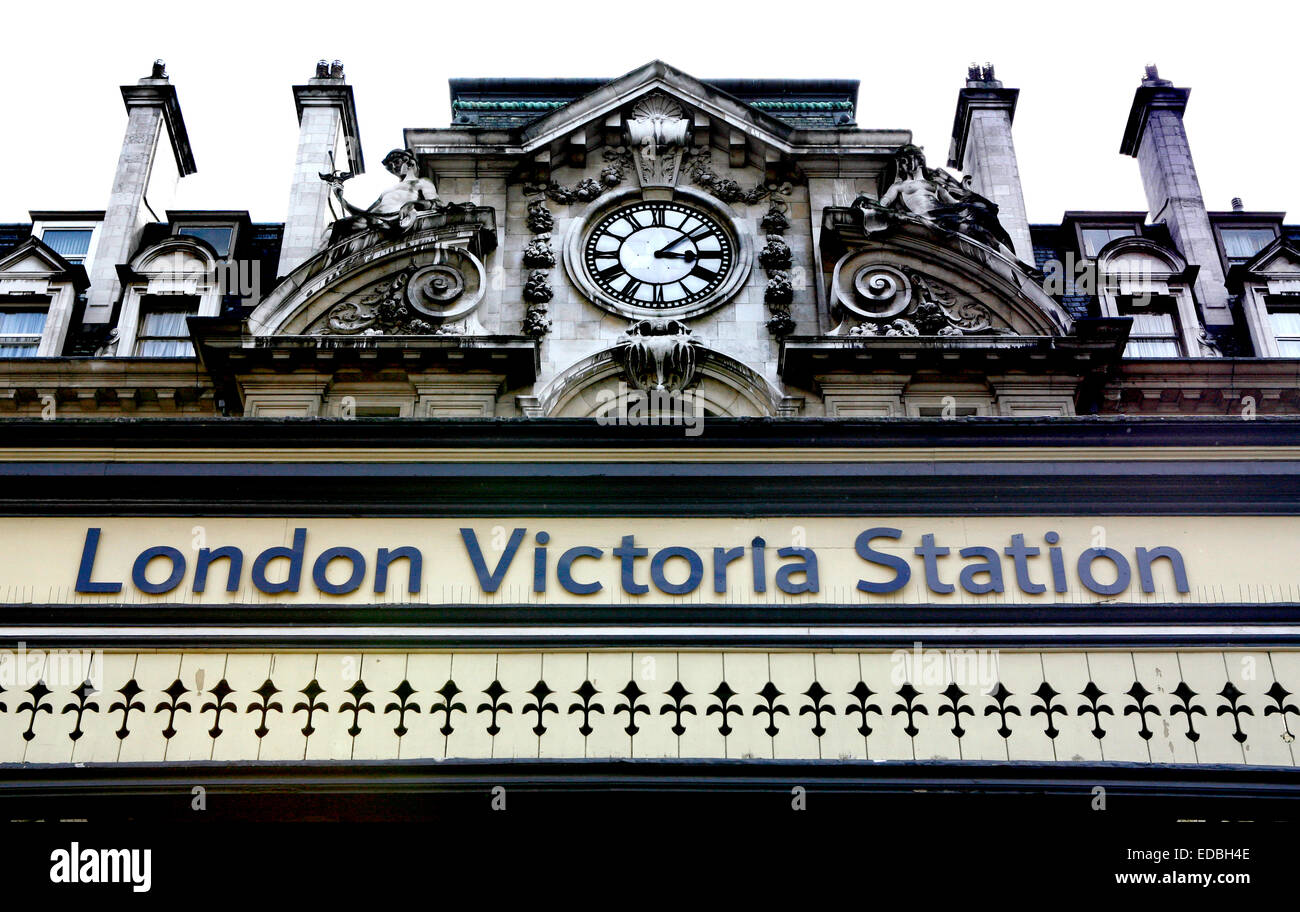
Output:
(68, 242)
(1244, 243)
(219, 238)
(1289, 348)
(1153, 324)
(1285, 322)
(1096, 238)
(166, 323)
(1151, 348)
(163, 348)
(22, 322)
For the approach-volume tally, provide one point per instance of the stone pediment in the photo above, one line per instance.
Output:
(657, 77)
(34, 258)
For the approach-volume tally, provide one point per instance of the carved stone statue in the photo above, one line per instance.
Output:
(933, 196)
(396, 208)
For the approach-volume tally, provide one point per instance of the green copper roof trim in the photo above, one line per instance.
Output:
(462, 105)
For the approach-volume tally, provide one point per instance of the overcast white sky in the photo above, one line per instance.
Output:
(233, 64)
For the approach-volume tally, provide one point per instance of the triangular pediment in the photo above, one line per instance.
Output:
(656, 76)
(34, 258)
(1278, 258)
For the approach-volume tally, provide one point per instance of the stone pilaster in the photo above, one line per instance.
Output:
(328, 139)
(151, 104)
(982, 148)
(1156, 138)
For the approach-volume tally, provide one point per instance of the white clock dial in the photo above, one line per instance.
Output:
(658, 255)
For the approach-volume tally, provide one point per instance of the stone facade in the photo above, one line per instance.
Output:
(824, 223)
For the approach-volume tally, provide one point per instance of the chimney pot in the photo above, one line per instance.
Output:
(1237, 205)
(336, 69)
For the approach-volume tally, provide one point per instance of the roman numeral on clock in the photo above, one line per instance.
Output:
(701, 272)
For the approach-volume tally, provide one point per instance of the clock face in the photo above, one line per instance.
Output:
(658, 255)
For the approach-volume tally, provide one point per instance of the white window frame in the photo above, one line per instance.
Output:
(39, 227)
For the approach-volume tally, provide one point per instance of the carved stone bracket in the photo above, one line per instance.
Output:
(658, 355)
(658, 131)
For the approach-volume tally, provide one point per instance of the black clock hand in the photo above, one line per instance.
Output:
(663, 251)
(687, 255)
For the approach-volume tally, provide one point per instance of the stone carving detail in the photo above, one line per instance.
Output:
(617, 160)
(934, 197)
(540, 220)
(658, 131)
(775, 253)
(889, 301)
(778, 296)
(537, 292)
(704, 175)
(658, 354)
(433, 298)
(537, 322)
(386, 312)
(539, 254)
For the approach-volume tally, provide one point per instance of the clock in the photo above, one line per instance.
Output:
(659, 255)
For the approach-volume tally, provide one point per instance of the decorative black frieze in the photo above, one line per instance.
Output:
(786, 715)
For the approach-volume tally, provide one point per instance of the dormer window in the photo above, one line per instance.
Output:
(1240, 244)
(73, 244)
(1094, 238)
(219, 237)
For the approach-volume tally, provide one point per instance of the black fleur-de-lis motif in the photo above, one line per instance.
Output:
(129, 691)
(266, 692)
(954, 695)
(219, 705)
(494, 693)
(540, 691)
(84, 704)
(1278, 694)
(586, 707)
(1093, 694)
(911, 707)
(1139, 695)
(310, 705)
(816, 693)
(1232, 695)
(403, 692)
(1000, 695)
(677, 694)
(448, 705)
(769, 693)
(357, 692)
(1046, 695)
(173, 705)
(862, 693)
(1188, 709)
(631, 694)
(3, 707)
(723, 694)
(36, 704)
